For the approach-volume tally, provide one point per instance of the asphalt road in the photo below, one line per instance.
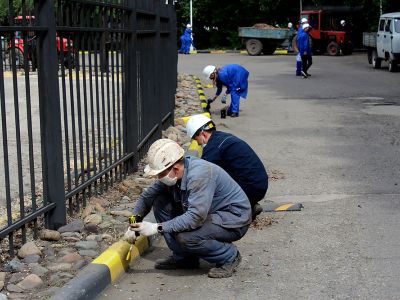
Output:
(331, 142)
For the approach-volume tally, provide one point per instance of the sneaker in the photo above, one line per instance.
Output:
(170, 263)
(303, 74)
(234, 115)
(256, 210)
(308, 74)
(226, 270)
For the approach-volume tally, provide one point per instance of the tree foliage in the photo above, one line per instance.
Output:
(216, 23)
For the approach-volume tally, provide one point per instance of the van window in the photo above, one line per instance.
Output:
(388, 24)
(396, 25)
(382, 25)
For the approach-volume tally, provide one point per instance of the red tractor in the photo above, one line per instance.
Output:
(19, 46)
(328, 34)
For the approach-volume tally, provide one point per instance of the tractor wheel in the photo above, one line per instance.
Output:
(392, 65)
(254, 47)
(268, 49)
(333, 49)
(376, 61)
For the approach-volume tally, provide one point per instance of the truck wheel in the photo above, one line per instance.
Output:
(333, 49)
(269, 49)
(376, 61)
(254, 47)
(392, 66)
(294, 44)
(369, 56)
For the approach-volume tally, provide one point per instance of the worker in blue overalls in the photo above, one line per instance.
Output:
(234, 78)
(186, 40)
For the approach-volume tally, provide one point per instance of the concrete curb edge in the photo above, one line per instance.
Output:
(104, 270)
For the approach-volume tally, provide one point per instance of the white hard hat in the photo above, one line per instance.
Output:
(207, 71)
(188, 26)
(303, 20)
(342, 22)
(289, 25)
(306, 25)
(162, 154)
(197, 122)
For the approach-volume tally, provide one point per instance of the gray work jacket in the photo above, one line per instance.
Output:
(205, 189)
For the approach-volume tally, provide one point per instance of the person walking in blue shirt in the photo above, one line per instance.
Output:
(198, 207)
(235, 79)
(186, 40)
(304, 45)
(232, 154)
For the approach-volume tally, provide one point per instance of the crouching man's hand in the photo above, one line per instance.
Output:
(145, 228)
(130, 236)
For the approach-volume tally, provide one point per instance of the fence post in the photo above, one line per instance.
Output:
(130, 113)
(50, 117)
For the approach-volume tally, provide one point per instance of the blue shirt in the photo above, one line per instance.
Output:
(239, 160)
(234, 77)
(205, 189)
(303, 43)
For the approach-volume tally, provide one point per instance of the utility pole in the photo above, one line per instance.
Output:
(191, 23)
(301, 6)
(380, 6)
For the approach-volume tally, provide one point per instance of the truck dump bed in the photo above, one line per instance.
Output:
(264, 33)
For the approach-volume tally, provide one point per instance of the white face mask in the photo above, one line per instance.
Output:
(168, 180)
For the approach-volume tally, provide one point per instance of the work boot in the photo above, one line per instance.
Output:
(226, 270)
(256, 210)
(303, 74)
(234, 115)
(170, 263)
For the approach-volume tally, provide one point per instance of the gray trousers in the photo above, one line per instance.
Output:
(210, 242)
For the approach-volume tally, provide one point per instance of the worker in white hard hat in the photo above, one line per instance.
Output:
(232, 154)
(235, 79)
(198, 207)
(186, 40)
(305, 51)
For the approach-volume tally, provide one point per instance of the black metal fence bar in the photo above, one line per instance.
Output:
(106, 78)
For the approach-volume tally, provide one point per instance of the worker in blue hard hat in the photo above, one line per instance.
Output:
(235, 79)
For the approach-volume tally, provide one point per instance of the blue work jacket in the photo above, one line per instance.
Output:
(234, 77)
(303, 43)
(204, 190)
(239, 160)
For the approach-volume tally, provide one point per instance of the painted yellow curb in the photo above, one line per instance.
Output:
(283, 207)
(115, 256)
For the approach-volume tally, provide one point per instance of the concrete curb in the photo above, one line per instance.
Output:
(104, 270)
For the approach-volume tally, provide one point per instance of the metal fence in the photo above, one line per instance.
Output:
(85, 87)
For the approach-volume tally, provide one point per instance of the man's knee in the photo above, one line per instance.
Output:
(188, 240)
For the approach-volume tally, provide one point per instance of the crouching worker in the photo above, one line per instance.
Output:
(198, 207)
(232, 154)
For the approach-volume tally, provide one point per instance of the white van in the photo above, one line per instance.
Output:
(388, 39)
(385, 44)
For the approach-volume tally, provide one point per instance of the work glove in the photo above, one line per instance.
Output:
(223, 99)
(209, 101)
(145, 228)
(130, 236)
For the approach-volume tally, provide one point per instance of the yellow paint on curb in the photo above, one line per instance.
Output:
(115, 256)
(283, 207)
(114, 259)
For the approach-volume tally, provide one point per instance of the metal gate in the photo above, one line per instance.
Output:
(85, 87)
